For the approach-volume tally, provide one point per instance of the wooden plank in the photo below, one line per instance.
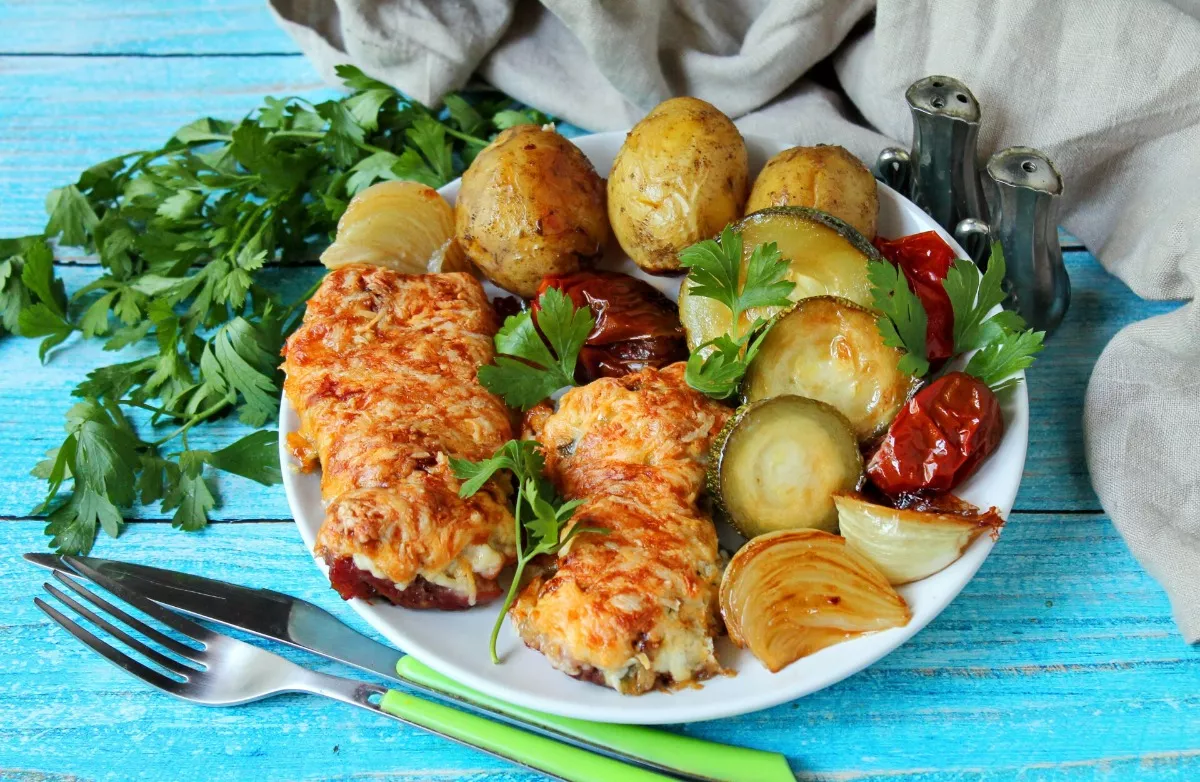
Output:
(64, 114)
(1054, 663)
(1055, 473)
(142, 27)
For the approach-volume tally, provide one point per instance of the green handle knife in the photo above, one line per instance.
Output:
(298, 623)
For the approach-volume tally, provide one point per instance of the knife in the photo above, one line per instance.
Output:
(280, 617)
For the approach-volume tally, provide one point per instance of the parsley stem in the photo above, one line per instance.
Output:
(298, 134)
(516, 580)
(200, 417)
(458, 134)
(251, 220)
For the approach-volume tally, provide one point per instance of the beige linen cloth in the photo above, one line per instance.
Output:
(1109, 89)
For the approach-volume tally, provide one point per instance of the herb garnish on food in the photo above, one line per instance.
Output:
(184, 234)
(539, 513)
(715, 268)
(1002, 343)
(902, 319)
(526, 370)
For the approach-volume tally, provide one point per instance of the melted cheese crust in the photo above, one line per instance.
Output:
(382, 373)
(634, 609)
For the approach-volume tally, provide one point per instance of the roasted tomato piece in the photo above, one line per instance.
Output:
(622, 358)
(939, 437)
(636, 325)
(925, 260)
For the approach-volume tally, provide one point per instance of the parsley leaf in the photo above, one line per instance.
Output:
(40, 321)
(503, 120)
(539, 513)
(188, 494)
(72, 218)
(1007, 354)
(715, 270)
(717, 367)
(37, 272)
(526, 371)
(521, 457)
(719, 372)
(1004, 347)
(468, 119)
(902, 319)
(255, 456)
(973, 295)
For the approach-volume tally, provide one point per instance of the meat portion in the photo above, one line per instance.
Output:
(634, 609)
(382, 373)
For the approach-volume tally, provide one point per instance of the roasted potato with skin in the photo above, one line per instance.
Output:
(824, 177)
(531, 204)
(680, 177)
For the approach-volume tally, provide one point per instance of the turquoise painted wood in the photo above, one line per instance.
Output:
(1058, 662)
(141, 27)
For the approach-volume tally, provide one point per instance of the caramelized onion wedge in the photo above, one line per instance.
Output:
(399, 225)
(791, 593)
(908, 544)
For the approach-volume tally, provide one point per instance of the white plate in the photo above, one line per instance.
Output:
(455, 643)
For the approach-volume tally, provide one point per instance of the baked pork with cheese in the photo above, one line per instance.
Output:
(635, 608)
(382, 374)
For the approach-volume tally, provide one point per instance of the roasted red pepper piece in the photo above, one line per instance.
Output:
(939, 437)
(636, 325)
(925, 259)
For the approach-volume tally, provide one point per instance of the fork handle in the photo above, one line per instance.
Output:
(685, 755)
(528, 749)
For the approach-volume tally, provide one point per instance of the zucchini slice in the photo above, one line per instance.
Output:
(825, 257)
(777, 464)
(830, 349)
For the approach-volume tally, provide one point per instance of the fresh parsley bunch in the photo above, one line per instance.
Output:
(539, 513)
(717, 367)
(1002, 343)
(183, 234)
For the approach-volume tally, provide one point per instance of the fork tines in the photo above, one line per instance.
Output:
(181, 671)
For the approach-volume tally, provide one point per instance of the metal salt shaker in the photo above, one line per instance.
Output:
(940, 174)
(1023, 190)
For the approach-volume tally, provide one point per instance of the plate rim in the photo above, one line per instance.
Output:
(885, 643)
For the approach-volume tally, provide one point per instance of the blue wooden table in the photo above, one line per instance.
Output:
(1058, 662)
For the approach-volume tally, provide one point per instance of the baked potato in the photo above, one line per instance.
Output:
(824, 177)
(398, 225)
(531, 204)
(680, 177)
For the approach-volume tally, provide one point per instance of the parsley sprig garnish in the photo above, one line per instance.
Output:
(184, 235)
(716, 368)
(539, 513)
(902, 319)
(1004, 346)
(1002, 343)
(526, 370)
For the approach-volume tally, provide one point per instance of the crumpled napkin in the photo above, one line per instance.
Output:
(1110, 91)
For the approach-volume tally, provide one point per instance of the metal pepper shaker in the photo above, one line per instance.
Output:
(940, 174)
(1023, 190)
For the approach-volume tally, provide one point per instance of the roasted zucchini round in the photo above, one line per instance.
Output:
(830, 349)
(777, 464)
(826, 257)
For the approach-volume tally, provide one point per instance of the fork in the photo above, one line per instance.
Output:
(225, 671)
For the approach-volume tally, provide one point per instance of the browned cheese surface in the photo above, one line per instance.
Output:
(636, 608)
(382, 373)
